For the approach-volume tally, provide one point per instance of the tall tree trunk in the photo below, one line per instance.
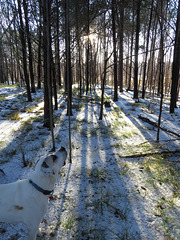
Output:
(54, 82)
(39, 45)
(104, 73)
(151, 68)
(47, 64)
(25, 6)
(137, 49)
(121, 30)
(161, 62)
(114, 50)
(131, 51)
(68, 72)
(57, 50)
(23, 43)
(68, 60)
(87, 50)
(48, 113)
(79, 51)
(146, 54)
(176, 65)
(103, 85)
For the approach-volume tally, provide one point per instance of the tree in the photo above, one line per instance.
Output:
(176, 64)
(146, 53)
(121, 33)
(161, 11)
(87, 50)
(131, 50)
(68, 59)
(48, 109)
(39, 44)
(137, 49)
(114, 50)
(25, 6)
(57, 49)
(23, 43)
(79, 47)
(104, 73)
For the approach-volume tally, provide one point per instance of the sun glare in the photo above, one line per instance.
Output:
(93, 37)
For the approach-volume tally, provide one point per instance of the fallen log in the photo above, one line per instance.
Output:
(155, 124)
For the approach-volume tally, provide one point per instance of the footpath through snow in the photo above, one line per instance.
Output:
(121, 183)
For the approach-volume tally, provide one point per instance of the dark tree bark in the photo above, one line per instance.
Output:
(48, 109)
(161, 15)
(79, 51)
(137, 49)
(131, 52)
(1, 64)
(57, 50)
(46, 96)
(23, 43)
(176, 65)
(68, 60)
(68, 72)
(104, 73)
(161, 78)
(114, 50)
(54, 82)
(87, 50)
(103, 85)
(146, 54)
(39, 45)
(121, 30)
(25, 6)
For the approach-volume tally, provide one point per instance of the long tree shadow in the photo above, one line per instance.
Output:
(160, 178)
(131, 109)
(104, 208)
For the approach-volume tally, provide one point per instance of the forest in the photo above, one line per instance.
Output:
(100, 78)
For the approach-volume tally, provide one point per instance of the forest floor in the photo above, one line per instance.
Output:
(121, 184)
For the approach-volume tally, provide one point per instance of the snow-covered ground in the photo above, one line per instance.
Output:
(121, 183)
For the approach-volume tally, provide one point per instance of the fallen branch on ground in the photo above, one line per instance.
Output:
(155, 124)
(2, 172)
(136, 155)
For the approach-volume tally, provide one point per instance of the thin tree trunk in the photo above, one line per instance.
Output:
(23, 43)
(136, 50)
(114, 50)
(57, 50)
(104, 74)
(48, 65)
(39, 45)
(29, 46)
(79, 51)
(121, 45)
(87, 50)
(68, 74)
(103, 85)
(68, 61)
(131, 52)
(54, 82)
(146, 54)
(161, 66)
(176, 65)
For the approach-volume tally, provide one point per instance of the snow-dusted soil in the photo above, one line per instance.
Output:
(107, 192)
